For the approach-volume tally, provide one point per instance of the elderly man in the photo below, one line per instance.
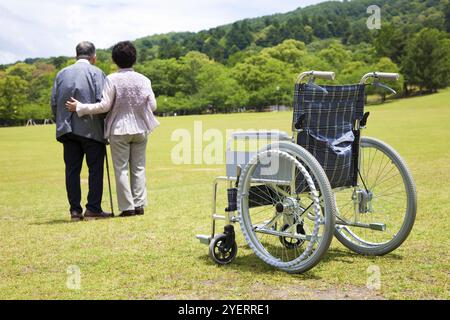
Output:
(81, 135)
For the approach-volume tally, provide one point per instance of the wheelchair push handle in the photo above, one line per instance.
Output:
(388, 76)
(327, 75)
(380, 76)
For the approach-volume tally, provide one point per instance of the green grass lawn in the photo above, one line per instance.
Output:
(156, 256)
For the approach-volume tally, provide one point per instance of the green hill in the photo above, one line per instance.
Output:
(332, 19)
(253, 63)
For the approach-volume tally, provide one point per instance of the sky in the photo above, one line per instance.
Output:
(45, 28)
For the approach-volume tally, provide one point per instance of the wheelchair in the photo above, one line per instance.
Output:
(294, 193)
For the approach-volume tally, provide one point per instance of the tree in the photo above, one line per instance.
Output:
(447, 16)
(239, 36)
(336, 55)
(214, 50)
(270, 38)
(41, 84)
(240, 56)
(353, 71)
(190, 67)
(169, 49)
(312, 61)
(390, 42)
(308, 30)
(179, 103)
(433, 18)
(104, 62)
(290, 51)
(364, 52)
(427, 60)
(260, 75)
(359, 33)
(58, 62)
(319, 25)
(13, 95)
(163, 74)
(21, 70)
(219, 89)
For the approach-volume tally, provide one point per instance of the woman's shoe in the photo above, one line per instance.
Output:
(139, 210)
(127, 213)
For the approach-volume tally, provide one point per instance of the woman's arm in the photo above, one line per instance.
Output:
(151, 98)
(103, 106)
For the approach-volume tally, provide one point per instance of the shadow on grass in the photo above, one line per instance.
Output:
(66, 221)
(53, 222)
(252, 264)
(347, 256)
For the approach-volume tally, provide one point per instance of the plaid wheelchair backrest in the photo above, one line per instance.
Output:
(327, 122)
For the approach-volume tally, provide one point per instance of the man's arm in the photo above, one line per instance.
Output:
(54, 98)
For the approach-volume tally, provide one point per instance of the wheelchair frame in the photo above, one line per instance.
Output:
(234, 169)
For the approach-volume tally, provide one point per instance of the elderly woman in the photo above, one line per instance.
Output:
(129, 98)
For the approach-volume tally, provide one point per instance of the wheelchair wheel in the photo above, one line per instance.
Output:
(286, 207)
(289, 242)
(219, 252)
(384, 202)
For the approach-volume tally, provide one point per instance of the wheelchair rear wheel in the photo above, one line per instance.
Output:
(376, 217)
(286, 219)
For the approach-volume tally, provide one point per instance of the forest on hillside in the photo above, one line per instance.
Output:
(253, 63)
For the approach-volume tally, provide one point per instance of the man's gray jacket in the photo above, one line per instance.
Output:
(84, 82)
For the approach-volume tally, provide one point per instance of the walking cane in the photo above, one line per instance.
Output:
(109, 180)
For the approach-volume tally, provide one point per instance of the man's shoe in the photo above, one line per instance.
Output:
(127, 213)
(76, 216)
(89, 215)
(139, 210)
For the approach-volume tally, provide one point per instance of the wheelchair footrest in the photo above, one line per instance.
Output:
(204, 239)
(378, 226)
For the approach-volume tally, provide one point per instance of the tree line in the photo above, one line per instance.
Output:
(253, 63)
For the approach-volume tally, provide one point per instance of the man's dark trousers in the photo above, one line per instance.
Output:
(75, 147)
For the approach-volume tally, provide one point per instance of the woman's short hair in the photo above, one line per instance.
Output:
(124, 54)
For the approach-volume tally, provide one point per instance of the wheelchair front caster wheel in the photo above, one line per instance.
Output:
(221, 251)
